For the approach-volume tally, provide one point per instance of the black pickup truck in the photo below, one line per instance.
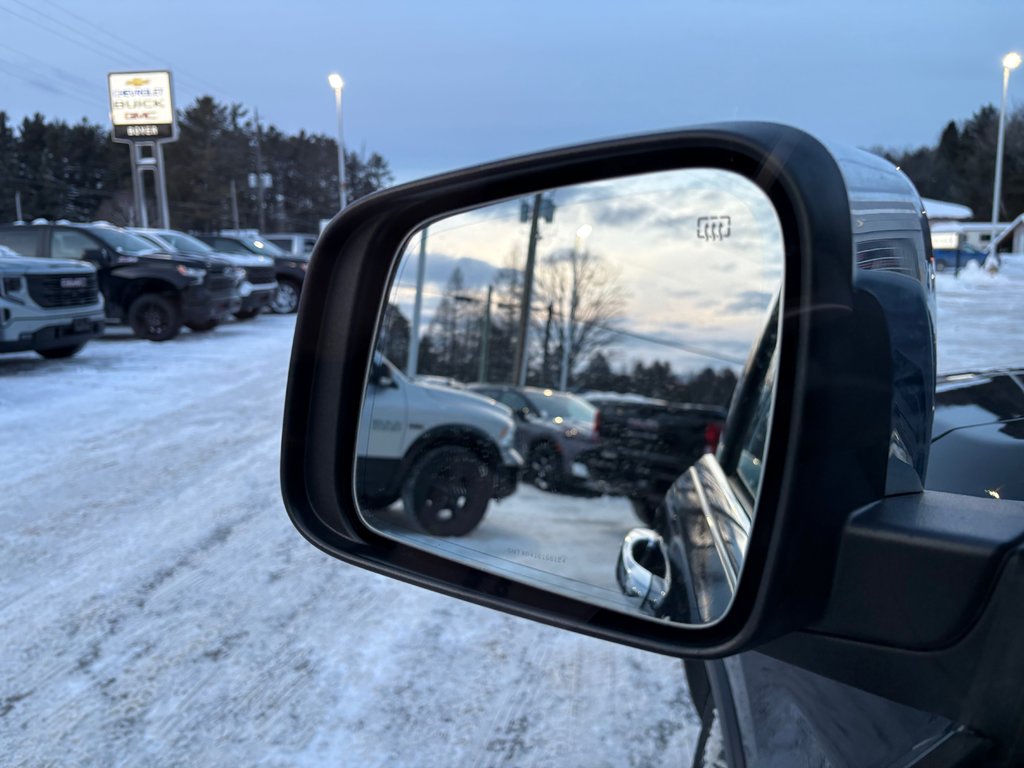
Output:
(646, 443)
(153, 292)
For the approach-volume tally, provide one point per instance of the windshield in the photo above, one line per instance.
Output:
(557, 406)
(186, 243)
(124, 242)
(264, 247)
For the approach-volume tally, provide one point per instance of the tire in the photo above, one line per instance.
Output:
(286, 300)
(59, 353)
(155, 317)
(248, 314)
(203, 327)
(448, 490)
(544, 467)
(644, 510)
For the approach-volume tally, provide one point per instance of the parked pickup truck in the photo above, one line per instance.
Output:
(647, 443)
(50, 307)
(444, 452)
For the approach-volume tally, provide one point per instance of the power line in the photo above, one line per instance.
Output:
(127, 43)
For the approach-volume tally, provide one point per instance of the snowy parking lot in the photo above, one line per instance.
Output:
(157, 607)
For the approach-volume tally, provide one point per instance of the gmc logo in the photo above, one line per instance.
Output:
(73, 282)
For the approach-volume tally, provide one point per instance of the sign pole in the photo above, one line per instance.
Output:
(161, 186)
(141, 215)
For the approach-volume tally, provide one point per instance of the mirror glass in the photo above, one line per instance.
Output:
(573, 389)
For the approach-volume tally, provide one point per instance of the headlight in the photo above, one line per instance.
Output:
(195, 275)
(507, 435)
(10, 285)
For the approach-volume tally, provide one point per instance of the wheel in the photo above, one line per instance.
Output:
(203, 327)
(544, 467)
(448, 490)
(644, 510)
(58, 353)
(154, 317)
(286, 300)
(248, 314)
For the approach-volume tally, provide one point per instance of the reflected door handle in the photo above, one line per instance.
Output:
(642, 545)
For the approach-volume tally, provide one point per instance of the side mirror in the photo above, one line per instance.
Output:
(380, 376)
(734, 248)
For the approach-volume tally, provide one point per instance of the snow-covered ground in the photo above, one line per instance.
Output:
(157, 608)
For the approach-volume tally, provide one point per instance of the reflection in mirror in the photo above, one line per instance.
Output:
(574, 389)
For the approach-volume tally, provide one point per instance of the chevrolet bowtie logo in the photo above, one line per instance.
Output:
(137, 81)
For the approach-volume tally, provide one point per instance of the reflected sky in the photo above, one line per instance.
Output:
(696, 255)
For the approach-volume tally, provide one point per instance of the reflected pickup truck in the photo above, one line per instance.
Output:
(444, 452)
(49, 307)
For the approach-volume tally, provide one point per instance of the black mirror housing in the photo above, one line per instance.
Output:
(833, 413)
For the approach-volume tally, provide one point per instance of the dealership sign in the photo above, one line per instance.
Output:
(140, 106)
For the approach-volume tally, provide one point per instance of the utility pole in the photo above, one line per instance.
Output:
(521, 358)
(546, 365)
(485, 338)
(259, 170)
(17, 206)
(234, 205)
(412, 363)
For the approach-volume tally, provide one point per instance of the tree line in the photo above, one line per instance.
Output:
(467, 341)
(75, 172)
(960, 168)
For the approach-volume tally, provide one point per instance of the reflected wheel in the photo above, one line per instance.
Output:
(544, 467)
(448, 491)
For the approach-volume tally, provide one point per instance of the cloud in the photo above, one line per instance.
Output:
(749, 301)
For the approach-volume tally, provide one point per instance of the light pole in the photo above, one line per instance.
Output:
(570, 320)
(337, 84)
(1010, 61)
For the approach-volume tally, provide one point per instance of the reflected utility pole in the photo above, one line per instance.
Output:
(412, 363)
(541, 207)
(259, 170)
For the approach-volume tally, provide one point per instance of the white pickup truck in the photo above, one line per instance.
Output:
(51, 307)
(444, 452)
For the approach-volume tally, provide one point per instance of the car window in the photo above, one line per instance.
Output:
(307, 244)
(123, 242)
(514, 401)
(264, 247)
(23, 240)
(281, 242)
(71, 244)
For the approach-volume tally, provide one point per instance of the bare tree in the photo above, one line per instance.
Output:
(587, 294)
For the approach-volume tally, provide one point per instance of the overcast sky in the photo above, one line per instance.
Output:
(437, 85)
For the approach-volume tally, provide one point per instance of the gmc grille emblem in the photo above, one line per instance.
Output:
(73, 282)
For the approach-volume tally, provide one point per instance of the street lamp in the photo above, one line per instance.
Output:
(570, 319)
(335, 81)
(1010, 61)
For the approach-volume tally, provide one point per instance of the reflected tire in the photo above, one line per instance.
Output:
(59, 353)
(203, 327)
(248, 314)
(644, 510)
(544, 468)
(154, 317)
(448, 490)
(286, 300)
